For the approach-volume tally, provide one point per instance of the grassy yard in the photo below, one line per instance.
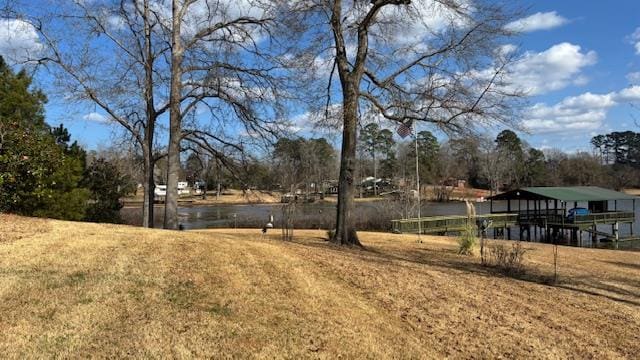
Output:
(81, 290)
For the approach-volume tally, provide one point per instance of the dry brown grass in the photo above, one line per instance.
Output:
(80, 290)
(239, 197)
(635, 192)
(229, 196)
(14, 227)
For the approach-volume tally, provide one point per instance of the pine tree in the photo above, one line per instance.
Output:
(39, 172)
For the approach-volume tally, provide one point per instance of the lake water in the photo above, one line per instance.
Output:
(372, 215)
(309, 215)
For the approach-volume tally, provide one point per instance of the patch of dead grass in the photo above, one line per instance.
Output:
(14, 227)
(90, 290)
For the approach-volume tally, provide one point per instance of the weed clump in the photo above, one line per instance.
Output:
(467, 240)
(468, 237)
(508, 259)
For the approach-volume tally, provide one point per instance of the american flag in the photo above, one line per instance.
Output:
(404, 129)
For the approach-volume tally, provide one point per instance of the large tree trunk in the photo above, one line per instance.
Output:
(345, 228)
(175, 123)
(149, 186)
(149, 131)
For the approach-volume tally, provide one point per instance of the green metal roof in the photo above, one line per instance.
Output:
(571, 193)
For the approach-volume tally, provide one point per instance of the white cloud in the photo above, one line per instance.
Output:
(423, 19)
(324, 121)
(630, 94)
(550, 70)
(96, 117)
(634, 77)
(537, 21)
(18, 40)
(635, 40)
(585, 112)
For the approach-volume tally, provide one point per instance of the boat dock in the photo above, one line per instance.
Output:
(543, 214)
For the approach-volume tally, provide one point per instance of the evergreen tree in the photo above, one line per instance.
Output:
(535, 169)
(375, 142)
(428, 149)
(511, 154)
(106, 186)
(39, 173)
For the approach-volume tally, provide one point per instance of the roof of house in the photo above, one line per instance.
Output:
(571, 193)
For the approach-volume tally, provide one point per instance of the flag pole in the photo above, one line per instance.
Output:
(418, 184)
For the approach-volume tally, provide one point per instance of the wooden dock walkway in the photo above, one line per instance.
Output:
(451, 223)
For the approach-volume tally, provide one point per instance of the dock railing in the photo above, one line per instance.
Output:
(555, 217)
(440, 224)
(605, 218)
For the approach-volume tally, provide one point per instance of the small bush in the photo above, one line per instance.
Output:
(509, 259)
(331, 234)
(467, 240)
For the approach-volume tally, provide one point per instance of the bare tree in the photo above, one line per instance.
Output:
(436, 61)
(110, 55)
(206, 63)
(491, 165)
(220, 63)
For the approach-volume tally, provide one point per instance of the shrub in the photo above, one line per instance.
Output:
(509, 259)
(467, 240)
(106, 186)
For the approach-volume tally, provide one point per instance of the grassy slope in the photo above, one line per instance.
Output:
(76, 289)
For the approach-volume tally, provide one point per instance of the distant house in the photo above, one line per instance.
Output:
(456, 183)
(183, 189)
(161, 190)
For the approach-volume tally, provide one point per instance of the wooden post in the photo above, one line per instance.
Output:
(535, 226)
(564, 210)
(634, 218)
(546, 220)
(615, 233)
(580, 238)
(508, 228)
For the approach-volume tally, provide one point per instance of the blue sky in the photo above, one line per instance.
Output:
(580, 60)
(606, 29)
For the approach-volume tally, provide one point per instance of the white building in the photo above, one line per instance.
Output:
(183, 189)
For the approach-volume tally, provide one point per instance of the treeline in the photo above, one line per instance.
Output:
(618, 148)
(496, 164)
(41, 172)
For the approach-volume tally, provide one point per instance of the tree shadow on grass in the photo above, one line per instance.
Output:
(624, 265)
(445, 260)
